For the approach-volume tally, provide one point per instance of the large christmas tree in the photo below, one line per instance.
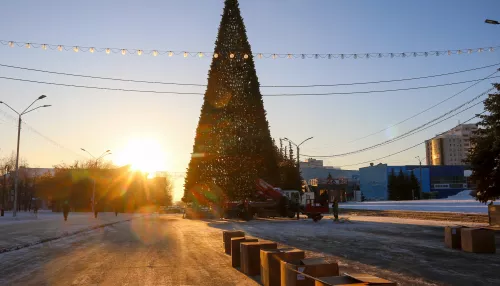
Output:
(233, 145)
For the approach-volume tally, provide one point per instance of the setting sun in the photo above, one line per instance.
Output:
(145, 155)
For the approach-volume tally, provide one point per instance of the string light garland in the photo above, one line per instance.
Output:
(239, 55)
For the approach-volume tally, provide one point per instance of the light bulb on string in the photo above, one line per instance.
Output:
(260, 56)
(170, 54)
(75, 49)
(124, 51)
(28, 45)
(155, 53)
(480, 50)
(59, 48)
(216, 55)
(200, 55)
(449, 53)
(11, 44)
(491, 49)
(469, 51)
(44, 46)
(91, 50)
(108, 51)
(185, 54)
(289, 56)
(231, 56)
(139, 52)
(245, 56)
(274, 56)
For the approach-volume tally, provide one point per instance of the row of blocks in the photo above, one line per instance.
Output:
(475, 240)
(288, 266)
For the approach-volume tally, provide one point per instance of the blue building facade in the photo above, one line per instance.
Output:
(444, 180)
(373, 182)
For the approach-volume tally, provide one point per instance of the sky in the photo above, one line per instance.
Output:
(163, 126)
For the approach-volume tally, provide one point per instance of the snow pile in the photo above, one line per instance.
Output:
(463, 195)
(468, 205)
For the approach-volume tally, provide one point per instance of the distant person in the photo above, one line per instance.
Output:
(65, 210)
(95, 210)
(336, 209)
(335, 205)
(35, 208)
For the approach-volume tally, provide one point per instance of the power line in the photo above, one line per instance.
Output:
(267, 95)
(236, 55)
(376, 91)
(411, 132)
(32, 129)
(262, 86)
(401, 151)
(427, 109)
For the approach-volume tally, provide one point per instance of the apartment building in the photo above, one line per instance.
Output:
(450, 147)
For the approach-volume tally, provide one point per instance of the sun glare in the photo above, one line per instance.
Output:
(144, 155)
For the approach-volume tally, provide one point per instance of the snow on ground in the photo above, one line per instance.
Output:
(459, 204)
(26, 217)
(28, 229)
(407, 251)
(396, 220)
(463, 195)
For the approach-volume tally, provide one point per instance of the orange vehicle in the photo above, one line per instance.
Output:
(267, 201)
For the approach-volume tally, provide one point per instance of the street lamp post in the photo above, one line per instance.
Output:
(16, 176)
(420, 167)
(493, 22)
(298, 156)
(108, 152)
(298, 148)
(4, 189)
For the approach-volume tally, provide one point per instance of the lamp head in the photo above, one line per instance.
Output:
(42, 97)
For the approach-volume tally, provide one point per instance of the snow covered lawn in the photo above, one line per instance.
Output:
(459, 203)
(443, 205)
(28, 229)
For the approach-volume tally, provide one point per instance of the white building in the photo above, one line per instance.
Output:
(312, 169)
(311, 163)
(450, 147)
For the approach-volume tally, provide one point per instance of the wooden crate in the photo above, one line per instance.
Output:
(250, 256)
(226, 238)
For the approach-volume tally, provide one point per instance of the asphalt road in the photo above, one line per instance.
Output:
(156, 250)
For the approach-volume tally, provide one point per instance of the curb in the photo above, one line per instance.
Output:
(63, 235)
